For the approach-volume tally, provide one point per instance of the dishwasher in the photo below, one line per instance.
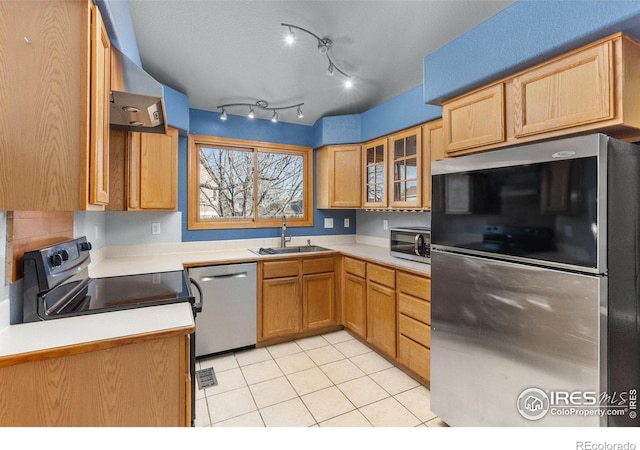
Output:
(228, 320)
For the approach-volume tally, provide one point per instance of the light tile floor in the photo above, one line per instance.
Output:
(332, 380)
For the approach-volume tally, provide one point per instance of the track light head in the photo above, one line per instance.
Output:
(260, 105)
(330, 70)
(324, 45)
(290, 37)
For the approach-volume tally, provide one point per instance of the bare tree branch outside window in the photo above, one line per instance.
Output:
(228, 177)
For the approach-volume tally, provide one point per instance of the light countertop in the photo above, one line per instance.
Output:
(42, 336)
(131, 265)
(51, 334)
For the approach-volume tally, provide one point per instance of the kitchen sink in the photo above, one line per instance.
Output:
(287, 250)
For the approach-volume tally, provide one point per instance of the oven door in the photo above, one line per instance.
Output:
(543, 203)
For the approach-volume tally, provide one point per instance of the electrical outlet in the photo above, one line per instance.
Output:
(155, 228)
(328, 222)
(346, 222)
(97, 232)
(385, 224)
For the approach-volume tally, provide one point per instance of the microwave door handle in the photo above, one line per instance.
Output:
(418, 244)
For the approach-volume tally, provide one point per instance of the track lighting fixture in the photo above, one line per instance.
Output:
(324, 46)
(260, 105)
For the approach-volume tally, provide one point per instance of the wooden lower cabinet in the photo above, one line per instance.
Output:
(354, 304)
(280, 307)
(139, 384)
(391, 309)
(296, 295)
(381, 308)
(318, 293)
(414, 319)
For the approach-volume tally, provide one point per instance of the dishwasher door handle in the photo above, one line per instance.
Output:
(223, 276)
(197, 307)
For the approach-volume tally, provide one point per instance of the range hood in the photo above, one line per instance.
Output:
(137, 100)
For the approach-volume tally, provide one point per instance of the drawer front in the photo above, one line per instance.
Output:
(317, 265)
(414, 330)
(474, 120)
(574, 90)
(382, 275)
(414, 285)
(355, 267)
(415, 357)
(415, 308)
(280, 269)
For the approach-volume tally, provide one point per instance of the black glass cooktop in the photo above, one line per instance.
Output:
(95, 295)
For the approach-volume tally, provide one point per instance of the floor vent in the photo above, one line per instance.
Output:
(206, 378)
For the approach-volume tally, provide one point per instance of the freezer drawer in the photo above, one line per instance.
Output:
(228, 320)
(500, 328)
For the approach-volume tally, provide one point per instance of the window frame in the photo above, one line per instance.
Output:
(194, 222)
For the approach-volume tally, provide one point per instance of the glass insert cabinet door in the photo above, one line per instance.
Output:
(405, 173)
(375, 167)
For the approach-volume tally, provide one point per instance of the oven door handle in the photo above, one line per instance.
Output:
(197, 307)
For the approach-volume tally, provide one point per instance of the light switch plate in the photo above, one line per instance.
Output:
(385, 224)
(346, 222)
(328, 222)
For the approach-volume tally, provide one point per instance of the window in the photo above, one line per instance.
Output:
(246, 184)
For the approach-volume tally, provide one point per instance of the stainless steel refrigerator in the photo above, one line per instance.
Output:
(536, 285)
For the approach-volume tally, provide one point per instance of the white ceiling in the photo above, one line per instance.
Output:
(233, 51)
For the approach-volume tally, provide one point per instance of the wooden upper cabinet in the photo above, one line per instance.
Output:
(590, 89)
(54, 108)
(374, 162)
(475, 119)
(571, 91)
(433, 149)
(143, 171)
(405, 173)
(100, 109)
(158, 176)
(339, 183)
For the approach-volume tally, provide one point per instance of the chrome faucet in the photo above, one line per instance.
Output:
(283, 238)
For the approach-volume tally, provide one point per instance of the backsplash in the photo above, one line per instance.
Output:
(91, 224)
(371, 223)
(135, 227)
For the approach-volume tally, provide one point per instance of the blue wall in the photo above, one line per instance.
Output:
(176, 105)
(117, 21)
(521, 35)
(337, 130)
(401, 112)
(239, 127)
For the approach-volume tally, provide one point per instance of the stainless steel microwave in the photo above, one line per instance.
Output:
(411, 243)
